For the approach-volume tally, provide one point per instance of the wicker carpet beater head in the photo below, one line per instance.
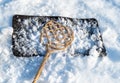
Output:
(56, 37)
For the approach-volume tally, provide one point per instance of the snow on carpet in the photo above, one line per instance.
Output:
(62, 69)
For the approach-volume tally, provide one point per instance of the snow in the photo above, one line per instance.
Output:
(62, 68)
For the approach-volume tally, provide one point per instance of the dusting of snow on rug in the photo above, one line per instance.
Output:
(26, 35)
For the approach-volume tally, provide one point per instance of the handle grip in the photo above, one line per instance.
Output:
(41, 67)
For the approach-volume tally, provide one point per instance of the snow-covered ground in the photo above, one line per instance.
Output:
(62, 69)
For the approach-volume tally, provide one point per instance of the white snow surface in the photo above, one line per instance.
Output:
(59, 68)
